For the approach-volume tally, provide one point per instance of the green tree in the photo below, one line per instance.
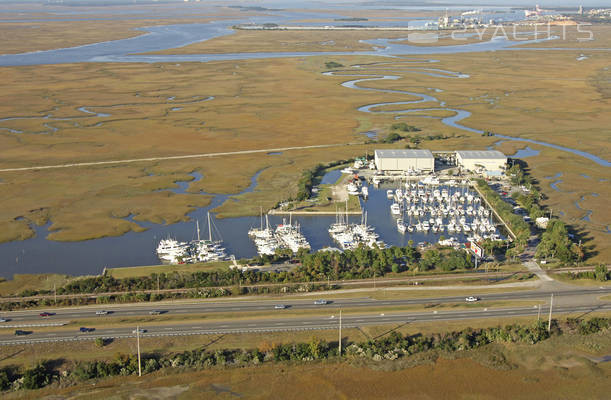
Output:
(601, 273)
(5, 380)
(36, 377)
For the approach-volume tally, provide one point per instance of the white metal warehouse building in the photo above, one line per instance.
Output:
(490, 160)
(404, 160)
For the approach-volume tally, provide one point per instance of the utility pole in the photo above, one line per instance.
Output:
(549, 323)
(157, 283)
(340, 332)
(374, 279)
(539, 313)
(55, 293)
(138, 344)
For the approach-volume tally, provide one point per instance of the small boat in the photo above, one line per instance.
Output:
(390, 194)
(395, 209)
(401, 226)
(365, 191)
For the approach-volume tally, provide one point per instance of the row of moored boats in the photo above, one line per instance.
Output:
(350, 236)
(198, 250)
(284, 236)
(430, 206)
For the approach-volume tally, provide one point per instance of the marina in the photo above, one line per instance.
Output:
(38, 255)
(422, 209)
(198, 250)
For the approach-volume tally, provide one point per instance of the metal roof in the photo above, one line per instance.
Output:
(481, 154)
(404, 154)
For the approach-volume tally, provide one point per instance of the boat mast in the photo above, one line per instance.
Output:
(346, 212)
(197, 224)
(209, 230)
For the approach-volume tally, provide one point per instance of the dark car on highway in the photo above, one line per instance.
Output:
(46, 314)
(19, 332)
(84, 329)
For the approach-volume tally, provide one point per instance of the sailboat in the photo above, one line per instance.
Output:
(206, 250)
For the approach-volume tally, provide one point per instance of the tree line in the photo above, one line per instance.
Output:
(360, 263)
(391, 347)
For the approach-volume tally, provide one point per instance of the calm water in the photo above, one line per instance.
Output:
(164, 37)
(38, 255)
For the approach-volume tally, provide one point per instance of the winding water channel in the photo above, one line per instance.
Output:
(453, 121)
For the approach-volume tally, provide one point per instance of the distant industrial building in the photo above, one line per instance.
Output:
(404, 160)
(489, 161)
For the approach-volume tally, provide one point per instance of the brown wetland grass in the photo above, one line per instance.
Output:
(261, 104)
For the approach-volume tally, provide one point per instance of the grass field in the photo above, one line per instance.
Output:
(559, 367)
(132, 272)
(563, 277)
(21, 282)
(165, 109)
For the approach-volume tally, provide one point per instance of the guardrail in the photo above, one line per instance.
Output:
(33, 325)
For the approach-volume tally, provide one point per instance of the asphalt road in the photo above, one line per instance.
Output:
(329, 321)
(16, 318)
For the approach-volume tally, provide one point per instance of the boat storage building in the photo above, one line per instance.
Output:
(489, 160)
(404, 160)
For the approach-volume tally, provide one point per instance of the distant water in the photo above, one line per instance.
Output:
(165, 37)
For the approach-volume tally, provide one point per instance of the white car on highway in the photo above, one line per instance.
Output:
(321, 302)
(280, 306)
(101, 312)
(471, 299)
(139, 330)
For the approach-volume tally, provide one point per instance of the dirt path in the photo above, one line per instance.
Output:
(339, 192)
(203, 155)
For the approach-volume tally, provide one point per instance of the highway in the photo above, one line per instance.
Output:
(327, 321)
(259, 306)
(265, 317)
